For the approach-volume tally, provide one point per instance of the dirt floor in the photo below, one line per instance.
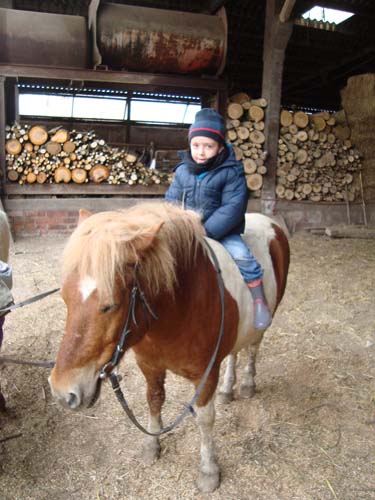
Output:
(308, 434)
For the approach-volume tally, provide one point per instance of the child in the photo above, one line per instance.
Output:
(211, 181)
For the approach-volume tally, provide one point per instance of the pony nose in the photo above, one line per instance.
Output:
(73, 401)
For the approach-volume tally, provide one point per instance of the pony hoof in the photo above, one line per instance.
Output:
(150, 454)
(224, 398)
(208, 482)
(247, 391)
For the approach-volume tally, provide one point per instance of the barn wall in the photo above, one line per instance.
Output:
(58, 216)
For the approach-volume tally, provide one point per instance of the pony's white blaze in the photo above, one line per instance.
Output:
(258, 234)
(86, 287)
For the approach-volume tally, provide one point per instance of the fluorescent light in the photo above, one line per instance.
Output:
(327, 15)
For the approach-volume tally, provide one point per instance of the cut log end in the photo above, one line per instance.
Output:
(38, 135)
(254, 181)
(99, 174)
(62, 174)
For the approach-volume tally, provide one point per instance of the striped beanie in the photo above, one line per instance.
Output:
(208, 123)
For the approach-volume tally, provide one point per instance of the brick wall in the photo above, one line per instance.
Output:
(55, 216)
(59, 216)
(42, 222)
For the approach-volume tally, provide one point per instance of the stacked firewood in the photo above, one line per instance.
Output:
(35, 155)
(316, 159)
(245, 125)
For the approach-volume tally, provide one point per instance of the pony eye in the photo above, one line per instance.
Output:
(107, 308)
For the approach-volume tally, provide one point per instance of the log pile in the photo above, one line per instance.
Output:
(316, 159)
(35, 155)
(245, 125)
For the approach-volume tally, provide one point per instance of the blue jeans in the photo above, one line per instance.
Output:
(249, 267)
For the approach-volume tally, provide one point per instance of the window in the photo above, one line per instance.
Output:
(102, 108)
(162, 112)
(106, 104)
(45, 105)
(327, 15)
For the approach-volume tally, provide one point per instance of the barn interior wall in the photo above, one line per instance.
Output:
(33, 216)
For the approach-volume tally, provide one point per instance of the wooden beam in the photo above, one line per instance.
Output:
(276, 38)
(286, 10)
(120, 77)
(215, 5)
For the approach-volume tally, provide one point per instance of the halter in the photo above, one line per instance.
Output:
(107, 370)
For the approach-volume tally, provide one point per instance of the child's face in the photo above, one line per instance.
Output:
(204, 148)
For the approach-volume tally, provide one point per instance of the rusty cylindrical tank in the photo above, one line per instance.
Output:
(41, 39)
(160, 41)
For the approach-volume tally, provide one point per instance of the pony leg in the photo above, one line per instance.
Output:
(209, 474)
(155, 398)
(247, 389)
(225, 394)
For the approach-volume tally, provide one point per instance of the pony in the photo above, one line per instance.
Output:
(164, 249)
(5, 238)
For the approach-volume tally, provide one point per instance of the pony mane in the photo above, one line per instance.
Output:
(104, 243)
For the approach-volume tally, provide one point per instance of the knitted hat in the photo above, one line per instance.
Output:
(208, 123)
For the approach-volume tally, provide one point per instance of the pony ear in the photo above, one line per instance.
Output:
(145, 240)
(83, 214)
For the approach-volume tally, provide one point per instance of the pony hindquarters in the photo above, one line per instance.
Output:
(271, 248)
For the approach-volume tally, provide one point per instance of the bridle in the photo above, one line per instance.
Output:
(108, 369)
(135, 293)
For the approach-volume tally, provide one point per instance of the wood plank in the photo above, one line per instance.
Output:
(343, 231)
(122, 77)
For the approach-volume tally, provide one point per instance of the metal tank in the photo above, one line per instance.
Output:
(41, 39)
(160, 41)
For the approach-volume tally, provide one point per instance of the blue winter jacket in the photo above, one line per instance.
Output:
(220, 196)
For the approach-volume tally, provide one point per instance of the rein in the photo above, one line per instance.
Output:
(107, 370)
(8, 309)
(26, 302)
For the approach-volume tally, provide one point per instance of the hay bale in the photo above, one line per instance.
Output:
(358, 101)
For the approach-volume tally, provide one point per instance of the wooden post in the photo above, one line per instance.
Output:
(286, 10)
(276, 38)
(11, 101)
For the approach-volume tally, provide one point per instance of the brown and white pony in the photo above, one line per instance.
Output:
(179, 280)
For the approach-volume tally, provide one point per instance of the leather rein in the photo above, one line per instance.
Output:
(107, 370)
